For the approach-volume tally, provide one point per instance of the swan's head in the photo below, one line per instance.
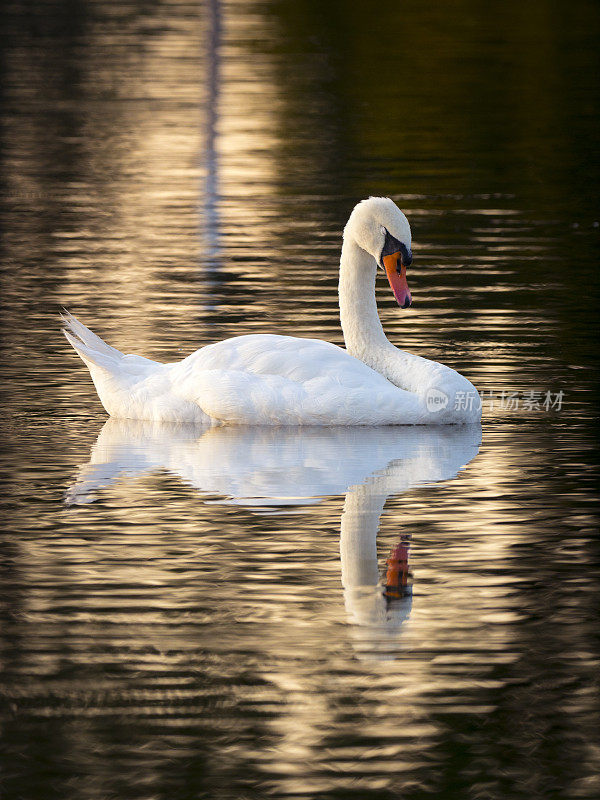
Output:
(378, 226)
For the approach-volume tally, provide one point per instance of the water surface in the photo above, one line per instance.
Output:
(300, 613)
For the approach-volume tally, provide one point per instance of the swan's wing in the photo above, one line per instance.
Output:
(243, 398)
(281, 380)
(139, 366)
(271, 354)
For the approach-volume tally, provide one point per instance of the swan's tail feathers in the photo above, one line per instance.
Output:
(92, 349)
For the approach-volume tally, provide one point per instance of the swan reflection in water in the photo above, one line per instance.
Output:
(273, 467)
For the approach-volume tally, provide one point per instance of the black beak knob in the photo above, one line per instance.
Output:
(406, 255)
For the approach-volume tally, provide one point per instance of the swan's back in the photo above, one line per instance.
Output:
(260, 379)
(283, 380)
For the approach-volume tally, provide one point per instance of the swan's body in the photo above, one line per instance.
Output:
(282, 380)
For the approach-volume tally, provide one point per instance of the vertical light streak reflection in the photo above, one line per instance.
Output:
(210, 218)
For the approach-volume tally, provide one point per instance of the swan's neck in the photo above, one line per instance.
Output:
(363, 333)
(362, 329)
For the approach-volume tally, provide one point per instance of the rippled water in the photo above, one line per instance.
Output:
(242, 613)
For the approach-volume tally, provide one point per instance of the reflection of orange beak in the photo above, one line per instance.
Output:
(397, 279)
(397, 577)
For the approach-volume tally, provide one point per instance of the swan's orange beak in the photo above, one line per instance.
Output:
(396, 274)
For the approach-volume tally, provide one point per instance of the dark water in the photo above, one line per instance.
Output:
(214, 614)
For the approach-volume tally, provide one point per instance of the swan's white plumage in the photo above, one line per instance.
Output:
(282, 380)
(289, 381)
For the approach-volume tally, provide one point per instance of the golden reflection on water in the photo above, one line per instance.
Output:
(291, 467)
(216, 622)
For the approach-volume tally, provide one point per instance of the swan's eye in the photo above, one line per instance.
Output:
(394, 247)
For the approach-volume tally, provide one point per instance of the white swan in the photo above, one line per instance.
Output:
(282, 380)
